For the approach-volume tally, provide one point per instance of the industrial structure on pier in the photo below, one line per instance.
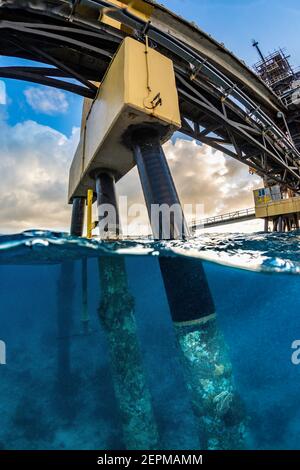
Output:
(276, 202)
(146, 73)
(213, 97)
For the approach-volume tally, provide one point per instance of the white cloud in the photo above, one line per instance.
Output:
(47, 100)
(208, 177)
(2, 93)
(202, 176)
(34, 165)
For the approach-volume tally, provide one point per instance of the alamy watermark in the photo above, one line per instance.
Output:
(295, 358)
(2, 353)
(166, 221)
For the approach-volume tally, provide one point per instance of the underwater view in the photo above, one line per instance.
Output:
(95, 352)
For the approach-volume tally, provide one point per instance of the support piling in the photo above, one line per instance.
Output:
(65, 289)
(117, 316)
(77, 220)
(204, 356)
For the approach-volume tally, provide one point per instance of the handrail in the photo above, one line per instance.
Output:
(228, 217)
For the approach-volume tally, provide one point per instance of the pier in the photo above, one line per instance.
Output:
(144, 74)
(250, 115)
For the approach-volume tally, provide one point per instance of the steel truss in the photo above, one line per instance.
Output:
(219, 123)
(42, 43)
(214, 109)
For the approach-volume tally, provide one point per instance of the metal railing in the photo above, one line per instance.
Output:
(230, 217)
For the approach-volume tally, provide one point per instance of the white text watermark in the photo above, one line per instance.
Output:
(2, 353)
(165, 221)
(295, 358)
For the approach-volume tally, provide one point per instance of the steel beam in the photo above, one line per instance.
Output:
(209, 95)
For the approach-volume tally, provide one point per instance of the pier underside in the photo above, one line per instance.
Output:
(222, 103)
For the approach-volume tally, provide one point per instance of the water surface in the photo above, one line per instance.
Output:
(254, 280)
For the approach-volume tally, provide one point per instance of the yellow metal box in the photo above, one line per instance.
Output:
(139, 87)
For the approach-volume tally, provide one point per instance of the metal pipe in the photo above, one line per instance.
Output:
(77, 219)
(65, 293)
(77, 223)
(167, 222)
(266, 224)
(187, 289)
(117, 316)
(84, 284)
(184, 278)
(255, 44)
(108, 212)
(203, 351)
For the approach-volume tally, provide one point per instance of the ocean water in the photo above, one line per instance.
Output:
(77, 378)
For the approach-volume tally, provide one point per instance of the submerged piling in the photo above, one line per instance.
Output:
(206, 365)
(208, 371)
(117, 316)
(77, 220)
(204, 355)
(116, 313)
(84, 288)
(65, 291)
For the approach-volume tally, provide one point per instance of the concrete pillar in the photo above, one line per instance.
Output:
(77, 220)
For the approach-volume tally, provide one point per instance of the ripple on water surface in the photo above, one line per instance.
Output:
(271, 252)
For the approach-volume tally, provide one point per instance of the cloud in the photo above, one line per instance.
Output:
(202, 176)
(209, 177)
(34, 164)
(2, 93)
(47, 100)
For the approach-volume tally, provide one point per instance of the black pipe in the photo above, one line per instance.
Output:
(192, 310)
(77, 219)
(108, 213)
(185, 281)
(187, 289)
(158, 185)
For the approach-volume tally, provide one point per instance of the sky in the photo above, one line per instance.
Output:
(39, 128)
